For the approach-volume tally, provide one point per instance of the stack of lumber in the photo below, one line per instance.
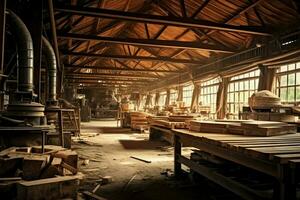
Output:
(244, 127)
(139, 120)
(36, 174)
(167, 124)
(210, 126)
(268, 128)
(152, 118)
(180, 118)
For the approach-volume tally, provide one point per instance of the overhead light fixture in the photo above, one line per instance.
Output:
(99, 81)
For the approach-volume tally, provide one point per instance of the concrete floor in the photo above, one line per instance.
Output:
(108, 149)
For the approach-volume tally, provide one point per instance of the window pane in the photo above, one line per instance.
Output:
(291, 67)
(283, 94)
(291, 79)
(298, 78)
(298, 93)
(252, 85)
(241, 86)
(283, 68)
(291, 94)
(283, 80)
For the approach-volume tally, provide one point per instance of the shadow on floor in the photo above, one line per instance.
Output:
(142, 144)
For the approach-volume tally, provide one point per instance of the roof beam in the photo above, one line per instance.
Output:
(162, 20)
(105, 79)
(112, 75)
(141, 58)
(74, 67)
(147, 42)
(108, 83)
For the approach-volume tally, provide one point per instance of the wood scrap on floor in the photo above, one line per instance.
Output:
(140, 159)
(96, 188)
(34, 171)
(129, 182)
(52, 188)
(91, 196)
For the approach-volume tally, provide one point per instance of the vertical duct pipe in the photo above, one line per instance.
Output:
(25, 53)
(22, 105)
(51, 67)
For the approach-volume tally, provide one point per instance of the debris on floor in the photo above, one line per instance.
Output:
(140, 159)
(35, 174)
(167, 173)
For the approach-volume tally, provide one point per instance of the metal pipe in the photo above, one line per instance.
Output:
(52, 66)
(25, 52)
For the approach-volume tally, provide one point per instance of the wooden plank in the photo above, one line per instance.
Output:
(52, 188)
(269, 152)
(91, 196)
(284, 158)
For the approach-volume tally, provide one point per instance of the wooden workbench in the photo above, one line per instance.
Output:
(277, 156)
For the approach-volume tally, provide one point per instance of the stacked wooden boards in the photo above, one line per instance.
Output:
(168, 124)
(251, 128)
(180, 118)
(269, 155)
(26, 173)
(139, 120)
(173, 121)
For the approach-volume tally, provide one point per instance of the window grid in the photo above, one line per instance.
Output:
(173, 96)
(240, 88)
(288, 83)
(143, 102)
(162, 99)
(187, 95)
(208, 94)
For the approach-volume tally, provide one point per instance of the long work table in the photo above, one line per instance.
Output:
(276, 156)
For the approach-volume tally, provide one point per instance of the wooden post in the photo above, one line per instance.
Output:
(61, 130)
(2, 40)
(177, 154)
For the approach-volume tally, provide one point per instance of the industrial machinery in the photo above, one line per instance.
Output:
(26, 121)
(22, 123)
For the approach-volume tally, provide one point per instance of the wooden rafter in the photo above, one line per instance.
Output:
(147, 42)
(162, 20)
(144, 58)
(111, 75)
(74, 67)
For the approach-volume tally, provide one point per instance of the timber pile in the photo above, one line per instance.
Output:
(139, 120)
(180, 118)
(168, 124)
(171, 122)
(35, 175)
(250, 128)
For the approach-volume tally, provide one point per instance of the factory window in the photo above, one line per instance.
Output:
(240, 88)
(208, 94)
(162, 98)
(288, 83)
(143, 102)
(187, 95)
(173, 96)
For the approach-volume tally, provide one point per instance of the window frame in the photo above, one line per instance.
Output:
(240, 88)
(187, 95)
(288, 73)
(208, 94)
